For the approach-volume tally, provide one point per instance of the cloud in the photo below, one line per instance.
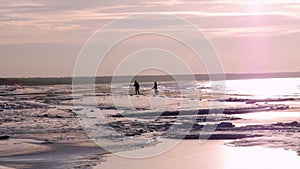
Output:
(249, 31)
(216, 17)
(37, 33)
(11, 4)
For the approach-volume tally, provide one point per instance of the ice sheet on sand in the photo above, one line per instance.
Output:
(47, 112)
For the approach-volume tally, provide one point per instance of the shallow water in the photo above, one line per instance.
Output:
(214, 154)
(265, 88)
(269, 117)
(192, 154)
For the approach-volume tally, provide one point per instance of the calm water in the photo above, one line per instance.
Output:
(251, 88)
(191, 154)
(265, 88)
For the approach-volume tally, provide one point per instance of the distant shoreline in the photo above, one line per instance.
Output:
(34, 81)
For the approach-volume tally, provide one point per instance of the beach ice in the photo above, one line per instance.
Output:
(120, 122)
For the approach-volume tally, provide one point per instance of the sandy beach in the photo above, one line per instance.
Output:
(55, 127)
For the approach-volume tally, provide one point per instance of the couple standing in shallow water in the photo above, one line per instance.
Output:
(137, 87)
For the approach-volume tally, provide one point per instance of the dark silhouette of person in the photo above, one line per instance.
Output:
(137, 87)
(155, 87)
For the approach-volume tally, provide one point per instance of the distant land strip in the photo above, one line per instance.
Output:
(34, 81)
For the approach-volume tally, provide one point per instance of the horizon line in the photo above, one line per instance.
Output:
(150, 75)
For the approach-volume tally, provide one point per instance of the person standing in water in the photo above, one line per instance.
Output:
(155, 88)
(137, 87)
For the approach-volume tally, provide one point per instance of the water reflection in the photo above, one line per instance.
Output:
(265, 88)
(260, 158)
(190, 154)
(266, 118)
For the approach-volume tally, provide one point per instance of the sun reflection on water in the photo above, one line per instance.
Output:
(260, 158)
(264, 88)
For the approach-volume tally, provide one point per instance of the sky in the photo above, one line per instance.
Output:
(43, 38)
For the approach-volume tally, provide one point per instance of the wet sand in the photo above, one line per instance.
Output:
(192, 154)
